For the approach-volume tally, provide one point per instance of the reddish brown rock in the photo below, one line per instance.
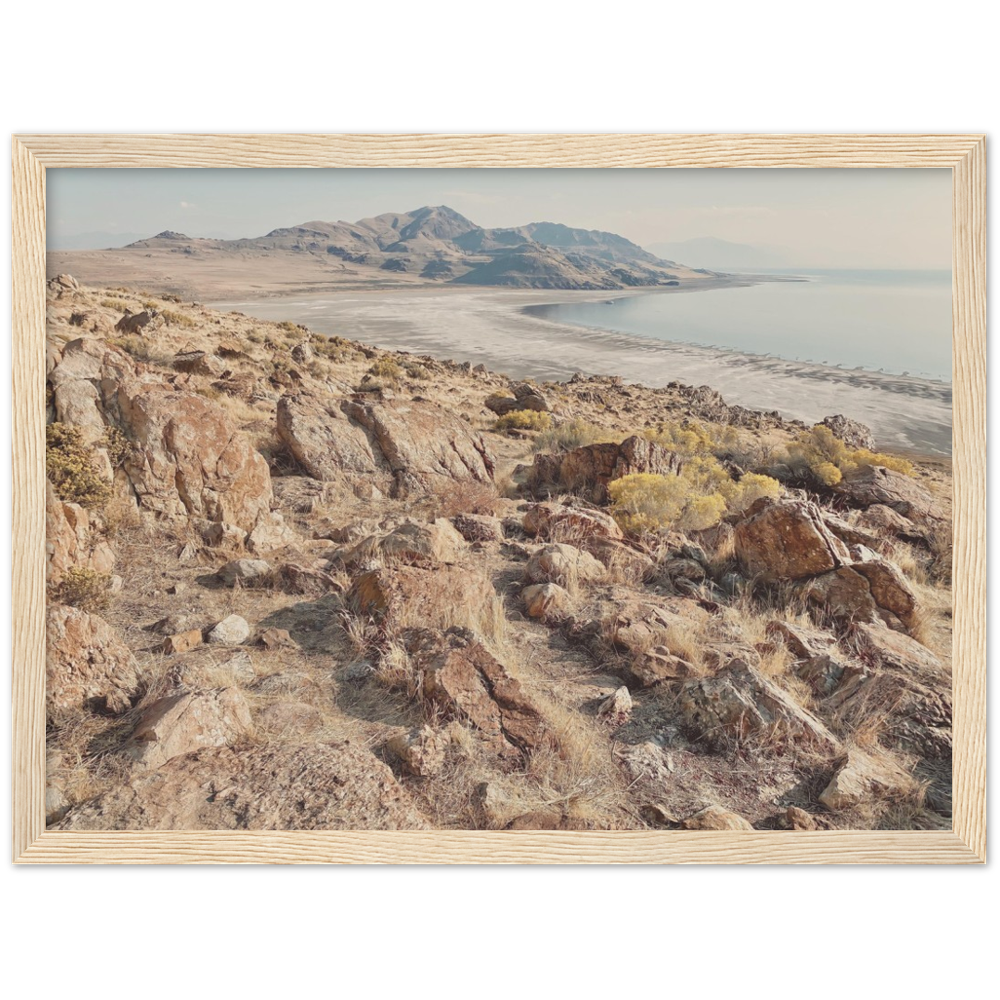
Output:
(71, 541)
(86, 663)
(786, 541)
(716, 818)
(872, 484)
(181, 642)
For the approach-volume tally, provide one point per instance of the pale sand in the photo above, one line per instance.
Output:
(488, 326)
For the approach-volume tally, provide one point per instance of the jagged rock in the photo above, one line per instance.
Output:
(221, 535)
(818, 659)
(71, 541)
(786, 540)
(437, 598)
(500, 405)
(887, 648)
(740, 702)
(880, 519)
(842, 594)
(546, 600)
(889, 588)
(297, 579)
(186, 721)
(187, 458)
(617, 705)
(684, 569)
(86, 663)
(862, 777)
(182, 642)
(716, 818)
(231, 630)
(872, 484)
(200, 363)
(479, 527)
(461, 678)
(587, 471)
(659, 665)
(271, 533)
(621, 560)
(638, 625)
(572, 523)
(852, 433)
(244, 571)
(563, 565)
(395, 445)
(422, 751)
(319, 786)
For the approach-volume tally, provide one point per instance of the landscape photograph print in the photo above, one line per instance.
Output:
(498, 499)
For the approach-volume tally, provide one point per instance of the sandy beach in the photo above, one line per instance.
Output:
(490, 327)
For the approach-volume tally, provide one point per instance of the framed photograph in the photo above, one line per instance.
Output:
(499, 499)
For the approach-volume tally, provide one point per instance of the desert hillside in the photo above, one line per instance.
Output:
(300, 583)
(427, 246)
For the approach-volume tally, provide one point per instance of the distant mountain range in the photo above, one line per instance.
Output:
(709, 251)
(438, 244)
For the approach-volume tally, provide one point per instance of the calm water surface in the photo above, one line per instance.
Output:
(894, 321)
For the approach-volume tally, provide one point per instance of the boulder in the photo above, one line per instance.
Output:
(413, 543)
(276, 638)
(740, 702)
(884, 647)
(186, 721)
(182, 642)
(563, 565)
(270, 533)
(568, 522)
(882, 520)
(232, 631)
(461, 678)
(799, 819)
(621, 561)
(861, 776)
(852, 433)
(588, 470)
(872, 484)
(188, 459)
(72, 541)
(87, 664)
(546, 600)
(716, 818)
(786, 540)
(394, 444)
(889, 588)
(244, 571)
(318, 786)
(410, 595)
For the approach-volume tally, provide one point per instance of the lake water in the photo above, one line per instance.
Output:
(893, 321)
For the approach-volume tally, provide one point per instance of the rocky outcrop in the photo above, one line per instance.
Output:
(461, 678)
(187, 458)
(587, 471)
(86, 664)
(188, 720)
(320, 786)
(872, 484)
(399, 445)
(851, 432)
(739, 703)
(72, 541)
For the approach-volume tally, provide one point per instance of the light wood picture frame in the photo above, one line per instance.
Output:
(964, 154)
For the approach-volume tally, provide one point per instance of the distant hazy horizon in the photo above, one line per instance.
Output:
(893, 218)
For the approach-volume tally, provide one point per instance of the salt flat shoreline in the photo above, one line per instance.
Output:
(492, 327)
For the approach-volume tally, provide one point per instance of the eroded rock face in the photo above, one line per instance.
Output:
(740, 702)
(587, 471)
(320, 786)
(86, 663)
(399, 445)
(787, 541)
(71, 542)
(186, 721)
(465, 681)
(189, 460)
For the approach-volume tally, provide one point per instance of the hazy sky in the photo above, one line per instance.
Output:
(824, 218)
